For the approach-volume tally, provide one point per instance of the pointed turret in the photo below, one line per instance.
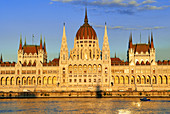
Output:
(86, 18)
(115, 55)
(152, 45)
(64, 38)
(41, 42)
(105, 39)
(44, 45)
(25, 42)
(105, 32)
(105, 48)
(130, 40)
(20, 45)
(1, 58)
(64, 48)
(149, 42)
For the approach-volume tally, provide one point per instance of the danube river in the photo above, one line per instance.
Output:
(85, 105)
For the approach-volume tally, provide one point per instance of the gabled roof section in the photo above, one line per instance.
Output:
(141, 48)
(118, 61)
(31, 49)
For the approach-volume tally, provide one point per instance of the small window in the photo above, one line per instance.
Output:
(105, 57)
(94, 80)
(79, 80)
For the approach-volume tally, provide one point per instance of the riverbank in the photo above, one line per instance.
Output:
(86, 94)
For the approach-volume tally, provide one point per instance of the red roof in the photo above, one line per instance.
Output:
(31, 49)
(118, 61)
(54, 62)
(141, 48)
(86, 32)
(7, 64)
(115, 60)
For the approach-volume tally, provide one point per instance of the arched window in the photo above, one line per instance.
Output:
(105, 69)
(63, 70)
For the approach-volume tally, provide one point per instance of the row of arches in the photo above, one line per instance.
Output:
(140, 80)
(85, 68)
(51, 80)
(85, 53)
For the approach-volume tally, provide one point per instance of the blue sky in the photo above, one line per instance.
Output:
(46, 17)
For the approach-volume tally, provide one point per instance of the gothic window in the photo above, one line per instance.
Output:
(94, 80)
(18, 72)
(153, 71)
(39, 72)
(105, 57)
(106, 70)
(63, 70)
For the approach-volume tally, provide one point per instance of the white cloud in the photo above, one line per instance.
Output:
(129, 28)
(51, 3)
(148, 1)
(156, 27)
(149, 7)
(120, 6)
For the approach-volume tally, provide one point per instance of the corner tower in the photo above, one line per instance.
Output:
(141, 53)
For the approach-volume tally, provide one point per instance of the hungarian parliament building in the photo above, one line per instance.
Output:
(86, 68)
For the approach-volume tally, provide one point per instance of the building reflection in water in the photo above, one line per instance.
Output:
(83, 105)
(122, 111)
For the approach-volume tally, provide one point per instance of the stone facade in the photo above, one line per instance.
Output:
(86, 68)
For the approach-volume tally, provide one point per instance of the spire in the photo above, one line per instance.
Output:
(130, 40)
(20, 45)
(105, 39)
(1, 58)
(44, 45)
(25, 42)
(152, 45)
(115, 55)
(64, 31)
(64, 38)
(105, 33)
(149, 42)
(41, 42)
(64, 48)
(86, 18)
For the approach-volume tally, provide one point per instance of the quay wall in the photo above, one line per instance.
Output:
(87, 94)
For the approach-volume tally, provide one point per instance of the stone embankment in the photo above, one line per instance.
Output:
(87, 94)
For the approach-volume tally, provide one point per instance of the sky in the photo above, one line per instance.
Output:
(46, 17)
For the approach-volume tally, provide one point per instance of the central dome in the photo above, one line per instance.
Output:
(86, 31)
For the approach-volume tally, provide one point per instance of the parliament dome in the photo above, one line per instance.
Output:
(86, 31)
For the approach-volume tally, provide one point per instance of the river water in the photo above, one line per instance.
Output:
(85, 105)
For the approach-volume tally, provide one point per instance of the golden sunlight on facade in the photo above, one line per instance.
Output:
(86, 68)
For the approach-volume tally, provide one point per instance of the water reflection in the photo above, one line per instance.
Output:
(84, 105)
